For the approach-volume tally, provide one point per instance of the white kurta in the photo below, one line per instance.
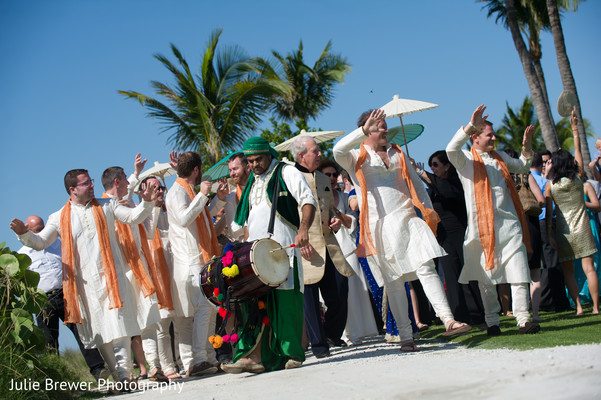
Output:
(360, 321)
(99, 324)
(148, 307)
(158, 219)
(260, 211)
(511, 260)
(403, 240)
(185, 245)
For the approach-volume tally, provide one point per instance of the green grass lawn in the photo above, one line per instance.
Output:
(557, 329)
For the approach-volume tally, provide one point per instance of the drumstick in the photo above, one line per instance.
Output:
(283, 248)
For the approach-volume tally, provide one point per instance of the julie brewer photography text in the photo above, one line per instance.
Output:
(103, 385)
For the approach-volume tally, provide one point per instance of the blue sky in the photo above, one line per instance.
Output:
(64, 61)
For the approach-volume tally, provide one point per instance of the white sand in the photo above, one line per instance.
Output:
(376, 370)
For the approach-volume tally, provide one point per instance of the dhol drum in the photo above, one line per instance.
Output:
(260, 271)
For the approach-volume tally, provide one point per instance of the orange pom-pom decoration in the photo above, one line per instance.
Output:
(261, 304)
(216, 341)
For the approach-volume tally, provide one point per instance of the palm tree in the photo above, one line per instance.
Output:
(212, 112)
(519, 18)
(303, 92)
(565, 69)
(511, 131)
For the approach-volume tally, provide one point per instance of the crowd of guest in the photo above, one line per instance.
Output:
(374, 243)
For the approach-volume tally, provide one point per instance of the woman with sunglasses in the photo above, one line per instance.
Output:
(446, 193)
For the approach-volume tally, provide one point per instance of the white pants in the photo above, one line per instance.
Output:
(194, 332)
(397, 298)
(519, 305)
(149, 344)
(164, 345)
(117, 356)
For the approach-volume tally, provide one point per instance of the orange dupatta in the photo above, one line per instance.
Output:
(366, 244)
(207, 237)
(159, 272)
(132, 255)
(484, 207)
(72, 312)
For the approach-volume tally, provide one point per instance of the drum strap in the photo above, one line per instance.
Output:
(274, 206)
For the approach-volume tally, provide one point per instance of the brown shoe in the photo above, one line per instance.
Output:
(203, 368)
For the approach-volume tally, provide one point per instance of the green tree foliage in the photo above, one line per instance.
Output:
(303, 92)
(511, 131)
(211, 112)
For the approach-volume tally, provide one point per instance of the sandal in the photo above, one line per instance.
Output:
(141, 377)
(172, 374)
(158, 376)
(422, 327)
(408, 346)
(456, 328)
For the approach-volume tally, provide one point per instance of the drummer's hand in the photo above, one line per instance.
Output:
(302, 238)
(307, 251)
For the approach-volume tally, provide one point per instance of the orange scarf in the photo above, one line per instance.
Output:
(484, 207)
(239, 190)
(159, 272)
(366, 244)
(72, 312)
(207, 237)
(132, 255)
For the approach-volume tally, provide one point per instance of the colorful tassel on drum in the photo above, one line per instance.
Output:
(227, 259)
(265, 320)
(216, 341)
(223, 313)
(233, 338)
(231, 272)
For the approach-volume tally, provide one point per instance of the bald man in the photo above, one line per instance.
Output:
(49, 265)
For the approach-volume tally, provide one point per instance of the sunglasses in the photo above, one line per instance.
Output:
(330, 174)
(435, 164)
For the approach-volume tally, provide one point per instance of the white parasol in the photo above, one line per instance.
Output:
(399, 107)
(160, 170)
(319, 136)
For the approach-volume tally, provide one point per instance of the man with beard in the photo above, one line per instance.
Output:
(193, 242)
(276, 342)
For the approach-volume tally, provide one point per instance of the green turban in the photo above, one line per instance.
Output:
(258, 145)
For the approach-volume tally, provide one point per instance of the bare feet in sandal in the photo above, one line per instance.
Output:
(456, 328)
(171, 374)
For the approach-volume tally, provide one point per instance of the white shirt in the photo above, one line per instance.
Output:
(48, 263)
(260, 211)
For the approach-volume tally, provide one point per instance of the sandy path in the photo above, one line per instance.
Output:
(376, 370)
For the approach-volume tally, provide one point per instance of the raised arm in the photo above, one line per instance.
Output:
(577, 148)
(476, 124)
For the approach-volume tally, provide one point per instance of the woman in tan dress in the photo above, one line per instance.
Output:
(574, 236)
